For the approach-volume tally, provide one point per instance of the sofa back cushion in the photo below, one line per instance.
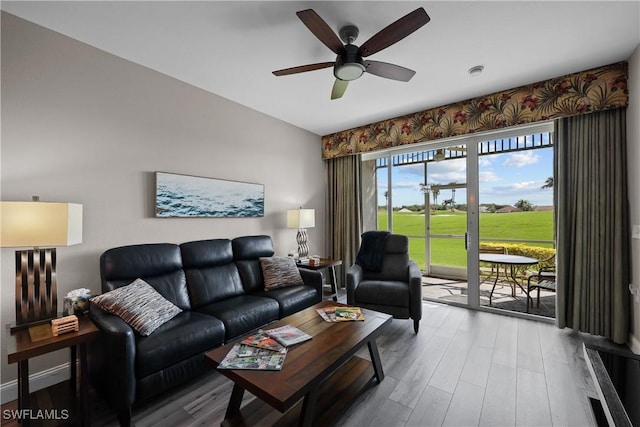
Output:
(210, 271)
(247, 251)
(158, 264)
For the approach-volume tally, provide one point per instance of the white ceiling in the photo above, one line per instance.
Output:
(231, 48)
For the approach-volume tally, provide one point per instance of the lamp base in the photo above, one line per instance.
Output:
(36, 287)
(303, 248)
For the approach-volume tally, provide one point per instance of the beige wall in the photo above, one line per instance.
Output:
(633, 160)
(84, 126)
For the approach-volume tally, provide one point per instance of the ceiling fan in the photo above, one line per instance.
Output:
(349, 64)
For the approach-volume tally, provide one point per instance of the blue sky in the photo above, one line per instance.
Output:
(504, 179)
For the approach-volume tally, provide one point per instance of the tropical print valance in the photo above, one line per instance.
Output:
(574, 94)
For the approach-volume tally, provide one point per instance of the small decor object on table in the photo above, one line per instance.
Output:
(288, 335)
(64, 325)
(77, 302)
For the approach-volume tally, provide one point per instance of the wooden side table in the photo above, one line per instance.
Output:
(329, 264)
(20, 348)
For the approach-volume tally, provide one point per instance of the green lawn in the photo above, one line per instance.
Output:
(451, 252)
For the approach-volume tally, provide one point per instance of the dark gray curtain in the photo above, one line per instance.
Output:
(593, 261)
(344, 211)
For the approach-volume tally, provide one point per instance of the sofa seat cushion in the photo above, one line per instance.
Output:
(293, 299)
(393, 293)
(188, 334)
(243, 313)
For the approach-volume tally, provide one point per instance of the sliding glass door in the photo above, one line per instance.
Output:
(449, 198)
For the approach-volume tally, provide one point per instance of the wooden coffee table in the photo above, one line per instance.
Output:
(321, 376)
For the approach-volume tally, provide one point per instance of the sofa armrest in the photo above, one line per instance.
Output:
(354, 277)
(415, 290)
(112, 359)
(312, 278)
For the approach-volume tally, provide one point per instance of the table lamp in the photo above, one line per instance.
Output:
(36, 224)
(301, 219)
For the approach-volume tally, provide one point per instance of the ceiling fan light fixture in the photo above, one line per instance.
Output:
(349, 71)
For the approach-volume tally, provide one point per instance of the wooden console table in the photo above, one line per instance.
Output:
(21, 348)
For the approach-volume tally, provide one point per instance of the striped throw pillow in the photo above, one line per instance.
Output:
(280, 272)
(138, 304)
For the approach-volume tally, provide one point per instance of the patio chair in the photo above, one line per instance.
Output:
(385, 279)
(494, 268)
(544, 278)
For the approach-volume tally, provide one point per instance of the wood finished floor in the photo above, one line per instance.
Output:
(464, 368)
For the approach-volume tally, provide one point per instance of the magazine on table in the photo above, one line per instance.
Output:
(340, 314)
(288, 335)
(346, 314)
(262, 340)
(328, 314)
(269, 361)
(250, 351)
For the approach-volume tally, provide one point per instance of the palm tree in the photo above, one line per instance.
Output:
(449, 202)
(548, 183)
(435, 191)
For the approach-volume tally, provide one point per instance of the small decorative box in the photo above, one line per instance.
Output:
(64, 325)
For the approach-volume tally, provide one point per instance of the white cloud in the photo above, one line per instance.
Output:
(415, 169)
(488, 176)
(517, 186)
(519, 159)
(485, 161)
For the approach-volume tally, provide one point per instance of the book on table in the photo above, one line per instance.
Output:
(288, 335)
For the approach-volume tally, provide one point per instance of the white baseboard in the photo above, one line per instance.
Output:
(634, 344)
(37, 381)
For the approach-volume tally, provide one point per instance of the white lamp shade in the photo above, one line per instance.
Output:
(301, 218)
(40, 224)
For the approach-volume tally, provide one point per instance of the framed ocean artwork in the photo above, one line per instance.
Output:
(187, 196)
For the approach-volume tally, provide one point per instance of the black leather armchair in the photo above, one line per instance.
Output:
(395, 289)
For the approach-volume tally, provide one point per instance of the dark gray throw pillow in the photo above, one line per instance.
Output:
(280, 272)
(138, 304)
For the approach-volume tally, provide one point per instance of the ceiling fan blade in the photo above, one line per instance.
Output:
(320, 29)
(394, 32)
(389, 71)
(303, 68)
(338, 88)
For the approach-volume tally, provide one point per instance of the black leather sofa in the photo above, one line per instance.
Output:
(219, 286)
